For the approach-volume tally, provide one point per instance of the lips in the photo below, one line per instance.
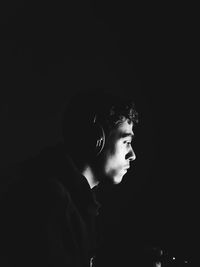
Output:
(127, 167)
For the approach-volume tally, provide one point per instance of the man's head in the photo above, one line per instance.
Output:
(98, 130)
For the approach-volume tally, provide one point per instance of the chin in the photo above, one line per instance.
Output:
(117, 179)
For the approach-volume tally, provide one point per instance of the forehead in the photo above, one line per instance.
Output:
(124, 129)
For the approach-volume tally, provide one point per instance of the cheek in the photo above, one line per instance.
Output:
(116, 158)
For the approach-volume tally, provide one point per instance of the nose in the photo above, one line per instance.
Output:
(131, 155)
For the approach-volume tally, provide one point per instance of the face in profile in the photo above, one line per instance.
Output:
(118, 152)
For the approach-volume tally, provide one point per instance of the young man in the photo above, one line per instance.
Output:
(50, 211)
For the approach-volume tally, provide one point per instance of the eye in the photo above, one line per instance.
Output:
(127, 142)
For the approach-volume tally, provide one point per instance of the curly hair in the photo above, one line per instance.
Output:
(116, 112)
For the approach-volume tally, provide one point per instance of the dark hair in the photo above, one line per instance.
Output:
(106, 107)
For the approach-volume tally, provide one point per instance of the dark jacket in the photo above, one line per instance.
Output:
(48, 214)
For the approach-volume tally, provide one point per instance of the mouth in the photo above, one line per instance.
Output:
(127, 167)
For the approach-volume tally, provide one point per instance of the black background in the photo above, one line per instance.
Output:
(145, 50)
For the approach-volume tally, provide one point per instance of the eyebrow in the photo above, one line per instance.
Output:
(124, 135)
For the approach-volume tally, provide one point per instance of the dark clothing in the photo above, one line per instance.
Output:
(48, 214)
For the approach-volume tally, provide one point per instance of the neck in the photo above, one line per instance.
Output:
(90, 176)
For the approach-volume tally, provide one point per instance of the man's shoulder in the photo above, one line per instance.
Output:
(47, 160)
(40, 172)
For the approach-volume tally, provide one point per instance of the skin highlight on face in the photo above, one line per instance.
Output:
(118, 152)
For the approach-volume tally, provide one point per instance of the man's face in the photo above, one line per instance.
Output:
(118, 152)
